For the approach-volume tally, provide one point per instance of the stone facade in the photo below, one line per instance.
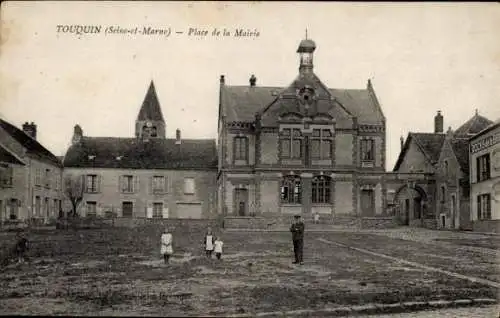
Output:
(301, 149)
(30, 176)
(485, 179)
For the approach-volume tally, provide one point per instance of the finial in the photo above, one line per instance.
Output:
(306, 33)
(477, 112)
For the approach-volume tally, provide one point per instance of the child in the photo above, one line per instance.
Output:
(209, 243)
(316, 218)
(166, 245)
(218, 247)
(21, 247)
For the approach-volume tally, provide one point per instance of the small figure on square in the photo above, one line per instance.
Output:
(316, 218)
(218, 247)
(166, 245)
(209, 241)
(297, 230)
(21, 247)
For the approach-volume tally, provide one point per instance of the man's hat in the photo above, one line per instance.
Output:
(297, 216)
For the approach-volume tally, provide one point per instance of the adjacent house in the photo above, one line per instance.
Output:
(30, 175)
(148, 175)
(484, 163)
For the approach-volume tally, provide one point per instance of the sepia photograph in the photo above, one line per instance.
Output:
(250, 159)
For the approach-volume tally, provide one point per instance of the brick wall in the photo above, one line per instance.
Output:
(343, 198)
(343, 149)
(269, 148)
(486, 226)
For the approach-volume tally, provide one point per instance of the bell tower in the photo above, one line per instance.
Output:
(306, 52)
(150, 122)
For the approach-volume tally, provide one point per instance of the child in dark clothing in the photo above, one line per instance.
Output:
(21, 247)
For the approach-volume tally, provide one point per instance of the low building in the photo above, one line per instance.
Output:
(30, 175)
(484, 158)
(148, 176)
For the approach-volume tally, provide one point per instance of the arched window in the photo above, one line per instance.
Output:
(321, 189)
(291, 143)
(291, 190)
(321, 144)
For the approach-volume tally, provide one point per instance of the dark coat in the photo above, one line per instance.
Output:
(297, 230)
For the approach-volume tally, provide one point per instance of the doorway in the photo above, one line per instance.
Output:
(367, 202)
(127, 209)
(454, 213)
(241, 201)
(13, 209)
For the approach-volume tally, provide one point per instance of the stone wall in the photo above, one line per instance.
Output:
(486, 226)
(379, 223)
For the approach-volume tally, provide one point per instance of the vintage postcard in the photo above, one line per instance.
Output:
(249, 159)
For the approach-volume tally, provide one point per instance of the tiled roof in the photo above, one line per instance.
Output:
(33, 147)
(7, 156)
(429, 143)
(132, 153)
(461, 150)
(240, 103)
(473, 126)
(150, 109)
(494, 125)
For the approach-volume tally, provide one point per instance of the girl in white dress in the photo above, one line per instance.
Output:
(166, 245)
(209, 242)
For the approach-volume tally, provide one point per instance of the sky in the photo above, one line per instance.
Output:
(421, 58)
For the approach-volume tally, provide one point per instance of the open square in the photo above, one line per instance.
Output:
(119, 271)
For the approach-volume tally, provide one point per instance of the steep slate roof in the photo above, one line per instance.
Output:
(461, 149)
(429, 143)
(240, 103)
(150, 109)
(487, 129)
(8, 156)
(136, 154)
(33, 147)
(473, 126)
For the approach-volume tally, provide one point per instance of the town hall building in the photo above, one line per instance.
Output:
(301, 149)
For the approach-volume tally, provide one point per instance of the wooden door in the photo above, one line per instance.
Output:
(241, 201)
(367, 203)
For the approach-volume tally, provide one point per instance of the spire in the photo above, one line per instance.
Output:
(150, 109)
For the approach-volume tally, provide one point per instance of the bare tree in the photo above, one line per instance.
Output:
(74, 190)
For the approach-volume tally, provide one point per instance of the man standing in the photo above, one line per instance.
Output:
(297, 230)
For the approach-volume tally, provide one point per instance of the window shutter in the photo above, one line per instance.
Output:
(151, 180)
(149, 211)
(136, 184)
(165, 213)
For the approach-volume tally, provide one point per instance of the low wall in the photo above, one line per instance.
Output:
(171, 223)
(486, 226)
(431, 224)
(379, 222)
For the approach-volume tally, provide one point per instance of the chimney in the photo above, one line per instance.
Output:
(77, 134)
(253, 80)
(30, 129)
(438, 123)
(222, 80)
(178, 137)
(402, 141)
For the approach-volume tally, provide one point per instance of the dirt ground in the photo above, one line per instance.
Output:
(119, 272)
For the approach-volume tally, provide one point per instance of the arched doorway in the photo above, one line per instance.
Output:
(411, 200)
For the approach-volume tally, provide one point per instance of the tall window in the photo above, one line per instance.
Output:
(291, 143)
(127, 184)
(157, 209)
(443, 194)
(188, 186)
(6, 175)
(38, 177)
(91, 208)
(47, 178)
(446, 171)
(321, 189)
(92, 185)
(158, 184)
(240, 148)
(483, 167)
(484, 207)
(367, 150)
(38, 206)
(321, 144)
(291, 190)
